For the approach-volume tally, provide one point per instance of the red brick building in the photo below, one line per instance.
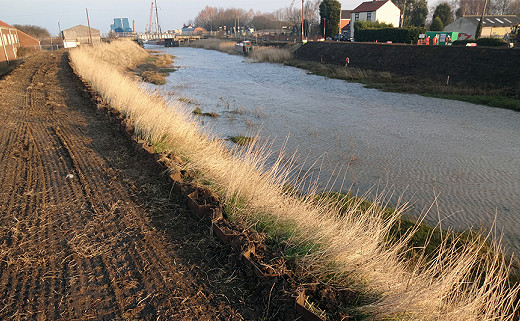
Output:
(11, 39)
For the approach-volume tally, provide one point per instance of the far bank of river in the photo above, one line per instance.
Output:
(465, 156)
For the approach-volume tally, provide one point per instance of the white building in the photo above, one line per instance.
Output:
(80, 35)
(381, 11)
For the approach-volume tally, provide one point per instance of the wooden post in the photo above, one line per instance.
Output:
(89, 32)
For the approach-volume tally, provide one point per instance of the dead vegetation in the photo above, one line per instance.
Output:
(349, 249)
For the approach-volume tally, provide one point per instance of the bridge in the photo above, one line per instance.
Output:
(165, 35)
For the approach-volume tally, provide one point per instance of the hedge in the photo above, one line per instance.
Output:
(395, 35)
(491, 42)
(487, 42)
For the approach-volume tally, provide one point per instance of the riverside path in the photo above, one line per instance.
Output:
(87, 231)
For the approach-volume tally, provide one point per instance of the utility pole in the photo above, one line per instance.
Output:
(324, 23)
(59, 28)
(89, 32)
(303, 34)
(481, 22)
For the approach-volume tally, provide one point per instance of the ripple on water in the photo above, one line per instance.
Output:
(466, 154)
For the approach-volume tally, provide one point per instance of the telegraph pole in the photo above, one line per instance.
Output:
(481, 22)
(324, 23)
(89, 32)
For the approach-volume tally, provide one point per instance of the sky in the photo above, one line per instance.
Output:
(172, 13)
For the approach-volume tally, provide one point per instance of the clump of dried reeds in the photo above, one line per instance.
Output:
(463, 282)
(270, 54)
(214, 44)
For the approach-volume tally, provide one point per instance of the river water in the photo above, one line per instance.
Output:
(462, 158)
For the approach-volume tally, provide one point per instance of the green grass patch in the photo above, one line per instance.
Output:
(493, 101)
(198, 111)
(242, 140)
(387, 82)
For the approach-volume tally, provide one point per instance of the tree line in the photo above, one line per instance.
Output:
(230, 19)
(324, 15)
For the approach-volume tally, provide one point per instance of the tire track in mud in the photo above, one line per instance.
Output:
(85, 231)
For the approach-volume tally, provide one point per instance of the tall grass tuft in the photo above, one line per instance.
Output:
(464, 281)
(214, 44)
(270, 54)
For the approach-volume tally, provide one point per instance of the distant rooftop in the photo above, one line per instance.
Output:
(369, 6)
(494, 21)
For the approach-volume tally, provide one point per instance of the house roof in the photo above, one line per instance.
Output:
(23, 38)
(82, 29)
(369, 6)
(493, 21)
(5, 25)
(345, 14)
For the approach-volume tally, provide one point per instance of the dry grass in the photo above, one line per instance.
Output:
(456, 285)
(215, 44)
(270, 54)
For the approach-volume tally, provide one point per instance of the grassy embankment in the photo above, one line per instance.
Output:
(347, 245)
(388, 82)
(380, 80)
(155, 68)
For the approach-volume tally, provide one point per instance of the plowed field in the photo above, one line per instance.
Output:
(87, 229)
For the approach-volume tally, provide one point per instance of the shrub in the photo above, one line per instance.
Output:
(487, 42)
(463, 42)
(491, 42)
(371, 25)
(383, 34)
(437, 24)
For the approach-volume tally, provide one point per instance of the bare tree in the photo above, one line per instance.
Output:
(514, 7)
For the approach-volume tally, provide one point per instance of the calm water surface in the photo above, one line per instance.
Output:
(467, 156)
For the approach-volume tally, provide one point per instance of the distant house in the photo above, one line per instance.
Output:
(79, 35)
(381, 11)
(11, 39)
(492, 26)
(344, 24)
(191, 31)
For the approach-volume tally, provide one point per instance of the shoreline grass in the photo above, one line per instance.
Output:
(386, 81)
(348, 247)
(242, 140)
(155, 68)
(198, 111)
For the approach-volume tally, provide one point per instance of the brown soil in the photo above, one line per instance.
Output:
(88, 232)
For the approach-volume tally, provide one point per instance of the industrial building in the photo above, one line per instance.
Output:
(80, 35)
(492, 26)
(11, 39)
(121, 25)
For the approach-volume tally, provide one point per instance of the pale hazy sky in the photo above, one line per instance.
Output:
(172, 13)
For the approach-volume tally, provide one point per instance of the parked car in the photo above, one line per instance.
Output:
(341, 37)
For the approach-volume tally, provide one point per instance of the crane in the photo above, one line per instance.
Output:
(149, 26)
